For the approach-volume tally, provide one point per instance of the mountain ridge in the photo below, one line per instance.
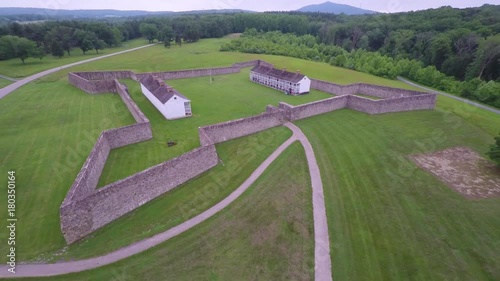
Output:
(334, 8)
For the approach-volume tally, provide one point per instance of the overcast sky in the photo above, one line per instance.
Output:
(255, 5)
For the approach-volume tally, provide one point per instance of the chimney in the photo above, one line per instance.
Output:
(170, 89)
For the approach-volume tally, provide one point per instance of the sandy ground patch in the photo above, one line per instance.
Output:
(464, 170)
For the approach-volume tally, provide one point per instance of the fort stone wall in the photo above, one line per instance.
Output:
(314, 108)
(92, 86)
(113, 201)
(86, 209)
(241, 127)
(191, 73)
(131, 105)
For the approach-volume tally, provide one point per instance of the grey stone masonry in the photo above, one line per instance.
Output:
(86, 209)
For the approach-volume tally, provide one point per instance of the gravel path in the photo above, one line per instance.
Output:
(322, 259)
(322, 245)
(485, 107)
(12, 87)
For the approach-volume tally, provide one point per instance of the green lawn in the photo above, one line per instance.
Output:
(229, 97)
(48, 128)
(15, 68)
(266, 234)
(4, 82)
(388, 219)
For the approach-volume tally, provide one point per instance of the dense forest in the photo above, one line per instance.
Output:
(456, 50)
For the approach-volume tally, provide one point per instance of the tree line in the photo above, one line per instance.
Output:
(376, 63)
(458, 42)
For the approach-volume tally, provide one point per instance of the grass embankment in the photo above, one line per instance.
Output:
(390, 220)
(266, 234)
(15, 68)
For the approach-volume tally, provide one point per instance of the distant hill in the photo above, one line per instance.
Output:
(329, 7)
(50, 13)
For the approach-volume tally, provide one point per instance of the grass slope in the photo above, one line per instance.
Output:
(267, 234)
(15, 68)
(388, 219)
(229, 97)
(4, 82)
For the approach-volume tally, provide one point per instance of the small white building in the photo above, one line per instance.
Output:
(289, 82)
(172, 104)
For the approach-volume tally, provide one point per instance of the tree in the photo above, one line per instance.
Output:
(56, 49)
(494, 152)
(488, 54)
(149, 30)
(86, 40)
(64, 35)
(178, 40)
(166, 35)
(99, 45)
(17, 47)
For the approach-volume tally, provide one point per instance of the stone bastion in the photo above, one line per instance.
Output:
(86, 208)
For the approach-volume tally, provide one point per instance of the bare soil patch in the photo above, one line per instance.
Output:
(464, 170)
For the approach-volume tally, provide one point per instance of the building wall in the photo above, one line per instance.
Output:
(115, 200)
(175, 108)
(305, 85)
(160, 106)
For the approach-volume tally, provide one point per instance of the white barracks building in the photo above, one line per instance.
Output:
(172, 104)
(289, 82)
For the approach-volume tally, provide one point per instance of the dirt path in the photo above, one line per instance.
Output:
(322, 245)
(12, 87)
(485, 107)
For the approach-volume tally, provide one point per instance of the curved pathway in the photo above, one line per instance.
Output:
(322, 259)
(485, 107)
(12, 87)
(322, 245)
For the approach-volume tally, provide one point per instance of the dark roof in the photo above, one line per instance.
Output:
(160, 89)
(277, 73)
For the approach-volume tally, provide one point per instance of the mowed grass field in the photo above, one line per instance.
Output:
(266, 234)
(4, 82)
(229, 97)
(15, 68)
(50, 127)
(390, 220)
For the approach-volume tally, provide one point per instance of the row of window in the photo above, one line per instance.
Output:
(272, 79)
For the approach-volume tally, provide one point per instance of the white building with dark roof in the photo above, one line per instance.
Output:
(170, 103)
(289, 82)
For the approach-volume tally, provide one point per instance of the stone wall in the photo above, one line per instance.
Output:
(364, 89)
(106, 75)
(88, 177)
(246, 64)
(113, 201)
(242, 127)
(420, 102)
(129, 135)
(314, 108)
(86, 209)
(92, 86)
(191, 73)
(131, 105)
